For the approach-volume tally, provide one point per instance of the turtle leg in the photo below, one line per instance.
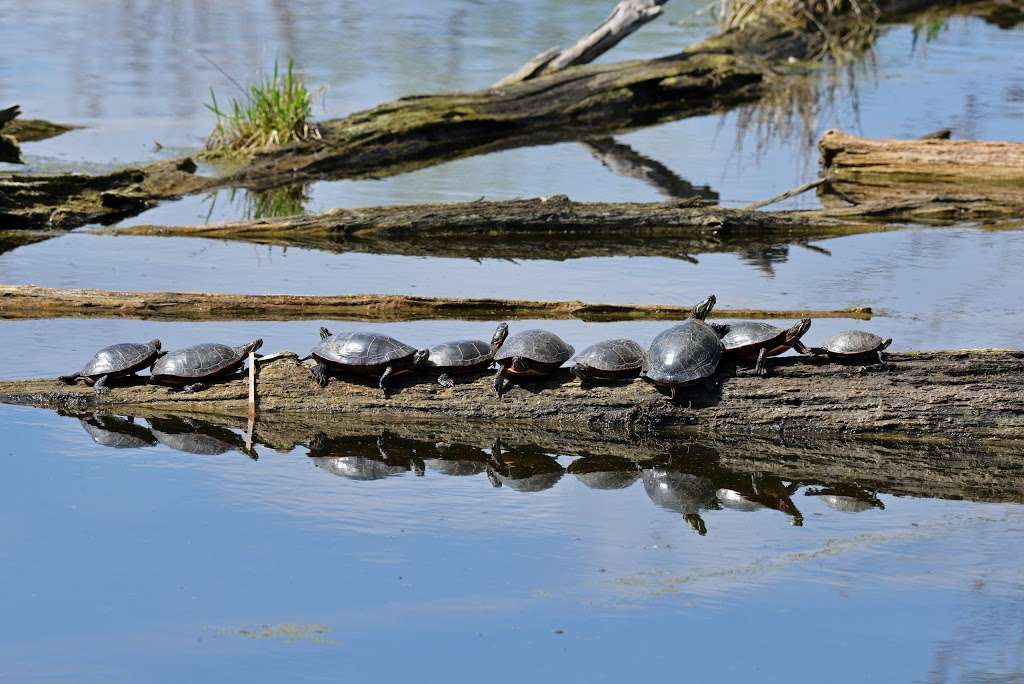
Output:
(319, 373)
(881, 358)
(697, 523)
(383, 383)
(101, 386)
(445, 380)
(761, 367)
(499, 380)
(194, 387)
(673, 392)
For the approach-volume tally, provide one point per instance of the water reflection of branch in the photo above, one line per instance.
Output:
(625, 161)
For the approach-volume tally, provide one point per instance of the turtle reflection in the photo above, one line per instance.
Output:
(524, 469)
(682, 492)
(365, 457)
(195, 436)
(605, 472)
(116, 432)
(457, 459)
(847, 498)
(755, 492)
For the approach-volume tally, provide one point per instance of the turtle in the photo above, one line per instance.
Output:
(683, 493)
(526, 469)
(362, 457)
(463, 356)
(757, 340)
(115, 361)
(609, 360)
(847, 498)
(685, 354)
(364, 353)
(754, 492)
(116, 432)
(605, 472)
(854, 345)
(530, 353)
(189, 367)
(193, 436)
(457, 459)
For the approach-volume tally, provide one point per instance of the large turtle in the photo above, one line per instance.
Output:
(463, 356)
(605, 472)
(609, 360)
(194, 436)
(741, 492)
(530, 353)
(685, 354)
(115, 361)
(847, 498)
(526, 469)
(361, 457)
(854, 345)
(116, 432)
(364, 353)
(683, 493)
(757, 340)
(457, 459)
(190, 367)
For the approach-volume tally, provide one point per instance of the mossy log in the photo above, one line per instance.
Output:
(974, 179)
(943, 395)
(28, 301)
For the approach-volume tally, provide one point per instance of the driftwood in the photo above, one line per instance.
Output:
(933, 396)
(14, 130)
(27, 301)
(973, 178)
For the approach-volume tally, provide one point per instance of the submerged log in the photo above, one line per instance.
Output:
(973, 179)
(28, 301)
(968, 394)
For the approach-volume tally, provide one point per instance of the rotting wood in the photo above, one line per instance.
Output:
(27, 301)
(933, 396)
(973, 178)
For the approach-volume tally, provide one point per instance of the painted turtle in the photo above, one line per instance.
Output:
(847, 498)
(609, 360)
(757, 340)
(685, 354)
(605, 472)
(854, 345)
(193, 436)
(527, 469)
(754, 492)
(683, 493)
(189, 367)
(115, 361)
(463, 356)
(364, 353)
(362, 457)
(530, 353)
(457, 459)
(117, 432)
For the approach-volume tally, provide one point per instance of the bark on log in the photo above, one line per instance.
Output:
(28, 301)
(967, 394)
(974, 178)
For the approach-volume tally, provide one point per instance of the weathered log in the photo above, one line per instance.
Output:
(973, 178)
(14, 130)
(28, 301)
(946, 395)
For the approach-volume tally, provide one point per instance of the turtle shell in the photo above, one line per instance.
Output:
(459, 354)
(612, 356)
(117, 432)
(854, 342)
(202, 360)
(684, 353)
(362, 349)
(677, 491)
(731, 499)
(123, 358)
(749, 334)
(537, 345)
(358, 467)
(604, 472)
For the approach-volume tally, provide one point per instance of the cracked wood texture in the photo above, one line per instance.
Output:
(970, 394)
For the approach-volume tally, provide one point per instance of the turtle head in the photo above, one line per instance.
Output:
(798, 330)
(702, 310)
(324, 333)
(155, 344)
(498, 339)
(252, 346)
(885, 343)
(420, 357)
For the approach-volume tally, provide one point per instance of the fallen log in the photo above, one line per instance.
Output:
(974, 179)
(14, 130)
(28, 301)
(932, 396)
(859, 468)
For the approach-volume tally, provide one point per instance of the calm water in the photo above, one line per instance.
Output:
(154, 563)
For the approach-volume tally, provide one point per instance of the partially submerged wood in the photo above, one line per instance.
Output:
(972, 178)
(932, 396)
(14, 130)
(27, 301)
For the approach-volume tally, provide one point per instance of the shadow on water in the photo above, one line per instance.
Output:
(693, 477)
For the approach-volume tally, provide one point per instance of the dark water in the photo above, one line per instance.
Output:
(390, 553)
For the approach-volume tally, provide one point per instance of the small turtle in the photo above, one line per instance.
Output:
(685, 354)
(847, 498)
(115, 361)
(757, 340)
(755, 492)
(526, 469)
(193, 436)
(854, 345)
(609, 360)
(605, 472)
(463, 356)
(530, 353)
(683, 493)
(189, 367)
(361, 457)
(117, 432)
(364, 353)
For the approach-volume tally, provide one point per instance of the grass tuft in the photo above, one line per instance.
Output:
(276, 110)
(846, 26)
